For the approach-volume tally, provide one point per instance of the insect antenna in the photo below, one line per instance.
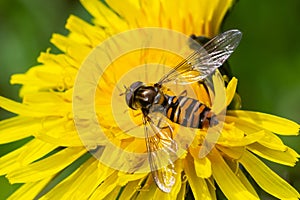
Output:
(126, 89)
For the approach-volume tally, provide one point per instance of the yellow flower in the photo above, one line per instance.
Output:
(55, 162)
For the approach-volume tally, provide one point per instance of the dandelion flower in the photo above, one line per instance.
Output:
(56, 163)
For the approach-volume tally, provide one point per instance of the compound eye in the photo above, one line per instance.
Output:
(129, 97)
(134, 86)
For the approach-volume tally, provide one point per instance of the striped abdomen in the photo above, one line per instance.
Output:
(187, 111)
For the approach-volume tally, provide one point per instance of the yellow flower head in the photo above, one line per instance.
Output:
(84, 142)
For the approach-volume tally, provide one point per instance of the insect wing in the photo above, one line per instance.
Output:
(204, 61)
(161, 151)
(218, 50)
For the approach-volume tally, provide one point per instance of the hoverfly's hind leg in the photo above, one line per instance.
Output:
(213, 121)
(183, 93)
(212, 135)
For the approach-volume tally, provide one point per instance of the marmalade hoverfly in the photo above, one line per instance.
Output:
(183, 110)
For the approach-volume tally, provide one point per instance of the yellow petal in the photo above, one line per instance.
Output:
(239, 142)
(29, 190)
(46, 167)
(104, 16)
(34, 150)
(130, 14)
(82, 182)
(231, 131)
(59, 131)
(46, 98)
(74, 49)
(178, 184)
(230, 185)
(201, 12)
(182, 193)
(130, 190)
(69, 139)
(230, 90)
(218, 10)
(197, 184)
(219, 13)
(169, 10)
(17, 128)
(9, 162)
(153, 9)
(162, 195)
(202, 165)
(202, 94)
(85, 33)
(113, 195)
(272, 141)
(124, 178)
(195, 17)
(267, 179)
(288, 157)
(27, 89)
(61, 60)
(46, 77)
(272, 123)
(219, 104)
(33, 111)
(106, 187)
(148, 189)
(232, 152)
(211, 186)
(19, 108)
(269, 139)
(246, 182)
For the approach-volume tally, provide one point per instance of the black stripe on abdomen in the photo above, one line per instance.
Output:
(187, 112)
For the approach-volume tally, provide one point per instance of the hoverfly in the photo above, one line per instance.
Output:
(183, 110)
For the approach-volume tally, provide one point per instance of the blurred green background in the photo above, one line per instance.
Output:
(267, 62)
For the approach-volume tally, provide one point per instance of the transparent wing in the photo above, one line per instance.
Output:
(204, 61)
(161, 151)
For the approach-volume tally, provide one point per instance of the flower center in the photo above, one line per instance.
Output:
(102, 117)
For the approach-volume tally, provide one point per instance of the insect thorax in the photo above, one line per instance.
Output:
(146, 96)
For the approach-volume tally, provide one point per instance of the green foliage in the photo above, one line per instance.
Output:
(267, 64)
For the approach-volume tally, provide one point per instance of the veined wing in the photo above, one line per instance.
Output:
(204, 61)
(161, 151)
